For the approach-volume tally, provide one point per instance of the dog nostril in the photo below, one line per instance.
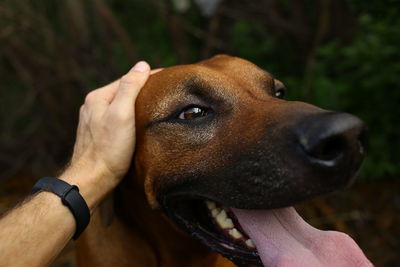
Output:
(332, 139)
(327, 149)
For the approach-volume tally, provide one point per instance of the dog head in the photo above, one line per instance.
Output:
(218, 135)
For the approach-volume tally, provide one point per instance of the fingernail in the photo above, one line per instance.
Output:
(141, 66)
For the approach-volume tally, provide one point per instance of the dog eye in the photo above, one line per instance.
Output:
(193, 112)
(280, 93)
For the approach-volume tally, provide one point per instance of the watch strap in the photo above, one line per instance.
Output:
(70, 197)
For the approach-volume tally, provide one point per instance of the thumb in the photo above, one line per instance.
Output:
(130, 85)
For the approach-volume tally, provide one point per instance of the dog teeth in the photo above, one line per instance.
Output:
(210, 205)
(226, 223)
(250, 243)
(215, 212)
(235, 233)
(219, 215)
(223, 220)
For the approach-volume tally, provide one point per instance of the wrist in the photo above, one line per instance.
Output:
(70, 197)
(93, 180)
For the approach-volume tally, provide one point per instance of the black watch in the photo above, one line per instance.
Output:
(70, 197)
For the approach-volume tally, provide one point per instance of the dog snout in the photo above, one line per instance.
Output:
(331, 140)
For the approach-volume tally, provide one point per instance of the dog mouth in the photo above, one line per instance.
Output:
(271, 237)
(216, 226)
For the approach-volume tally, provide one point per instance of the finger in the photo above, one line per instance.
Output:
(110, 90)
(106, 93)
(130, 85)
(111, 86)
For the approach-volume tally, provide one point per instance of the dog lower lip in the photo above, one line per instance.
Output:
(198, 217)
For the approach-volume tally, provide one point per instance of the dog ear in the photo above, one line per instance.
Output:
(106, 208)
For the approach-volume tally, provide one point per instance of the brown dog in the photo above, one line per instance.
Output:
(218, 152)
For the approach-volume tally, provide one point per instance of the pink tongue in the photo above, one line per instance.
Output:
(283, 238)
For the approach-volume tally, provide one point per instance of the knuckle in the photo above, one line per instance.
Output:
(132, 79)
(128, 79)
(82, 112)
(122, 116)
(90, 97)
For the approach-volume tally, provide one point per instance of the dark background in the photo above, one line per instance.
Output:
(337, 54)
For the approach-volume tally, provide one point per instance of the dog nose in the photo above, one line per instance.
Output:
(331, 139)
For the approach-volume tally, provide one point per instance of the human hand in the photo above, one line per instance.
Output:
(105, 139)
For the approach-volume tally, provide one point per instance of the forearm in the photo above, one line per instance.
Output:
(35, 232)
(37, 239)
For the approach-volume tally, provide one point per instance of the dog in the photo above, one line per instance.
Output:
(220, 159)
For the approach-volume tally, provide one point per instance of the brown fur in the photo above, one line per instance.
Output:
(139, 235)
(243, 157)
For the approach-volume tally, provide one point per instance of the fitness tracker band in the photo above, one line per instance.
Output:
(70, 197)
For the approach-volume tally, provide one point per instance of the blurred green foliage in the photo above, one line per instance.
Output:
(341, 55)
(359, 77)
(362, 78)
